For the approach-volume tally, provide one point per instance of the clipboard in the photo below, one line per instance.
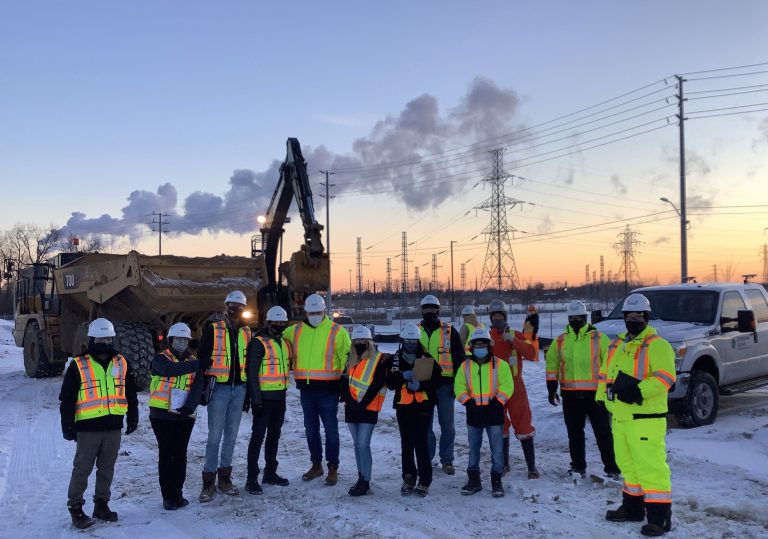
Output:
(422, 368)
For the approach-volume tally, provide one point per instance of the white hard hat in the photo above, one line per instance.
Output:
(101, 327)
(429, 299)
(314, 303)
(235, 297)
(411, 332)
(277, 314)
(180, 329)
(636, 303)
(576, 308)
(467, 310)
(361, 332)
(497, 306)
(480, 334)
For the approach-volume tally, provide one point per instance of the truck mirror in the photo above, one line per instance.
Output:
(596, 316)
(746, 321)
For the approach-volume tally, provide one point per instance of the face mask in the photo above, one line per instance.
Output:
(179, 344)
(410, 347)
(99, 348)
(499, 324)
(234, 311)
(360, 348)
(480, 353)
(276, 330)
(429, 317)
(576, 325)
(315, 319)
(634, 327)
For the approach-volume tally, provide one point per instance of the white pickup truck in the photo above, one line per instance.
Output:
(719, 332)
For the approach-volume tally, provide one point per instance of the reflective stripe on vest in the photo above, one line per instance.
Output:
(221, 361)
(303, 365)
(641, 357)
(101, 392)
(482, 393)
(439, 349)
(594, 354)
(160, 387)
(273, 373)
(361, 378)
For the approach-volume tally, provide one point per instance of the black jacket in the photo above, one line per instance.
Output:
(70, 388)
(395, 382)
(162, 366)
(457, 348)
(254, 358)
(205, 349)
(355, 412)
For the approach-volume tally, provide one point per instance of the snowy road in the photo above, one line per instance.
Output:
(720, 479)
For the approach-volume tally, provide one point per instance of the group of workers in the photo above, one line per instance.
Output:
(619, 385)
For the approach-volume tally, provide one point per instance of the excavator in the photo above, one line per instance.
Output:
(143, 295)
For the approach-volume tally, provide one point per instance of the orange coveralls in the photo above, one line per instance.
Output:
(517, 410)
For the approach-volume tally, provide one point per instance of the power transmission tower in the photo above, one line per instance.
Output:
(416, 280)
(359, 268)
(463, 276)
(586, 274)
(404, 270)
(764, 256)
(626, 248)
(434, 284)
(602, 269)
(499, 268)
(714, 273)
(389, 275)
(160, 228)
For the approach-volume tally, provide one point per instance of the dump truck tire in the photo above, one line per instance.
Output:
(134, 342)
(37, 364)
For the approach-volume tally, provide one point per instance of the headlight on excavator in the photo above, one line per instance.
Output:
(247, 315)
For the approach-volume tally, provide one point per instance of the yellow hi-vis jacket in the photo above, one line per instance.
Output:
(650, 359)
(483, 383)
(275, 365)
(438, 345)
(102, 392)
(221, 355)
(160, 387)
(575, 359)
(319, 353)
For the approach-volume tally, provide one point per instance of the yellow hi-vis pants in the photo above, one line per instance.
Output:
(641, 455)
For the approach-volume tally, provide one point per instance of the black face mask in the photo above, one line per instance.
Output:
(360, 348)
(499, 324)
(634, 327)
(576, 325)
(410, 347)
(234, 312)
(276, 330)
(429, 317)
(99, 348)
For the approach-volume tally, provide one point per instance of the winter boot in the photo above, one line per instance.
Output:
(271, 478)
(209, 487)
(102, 511)
(659, 519)
(80, 520)
(409, 482)
(530, 458)
(333, 475)
(361, 488)
(473, 485)
(225, 482)
(421, 490)
(506, 454)
(315, 471)
(170, 504)
(448, 468)
(630, 510)
(181, 501)
(577, 474)
(497, 489)
(252, 487)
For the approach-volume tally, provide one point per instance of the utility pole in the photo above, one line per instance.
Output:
(404, 271)
(160, 224)
(453, 297)
(683, 205)
(714, 272)
(359, 269)
(328, 197)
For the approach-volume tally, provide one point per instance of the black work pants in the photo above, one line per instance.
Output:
(415, 423)
(577, 407)
(172, 442)
(267, 420)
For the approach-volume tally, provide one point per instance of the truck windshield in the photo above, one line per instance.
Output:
(695, 306)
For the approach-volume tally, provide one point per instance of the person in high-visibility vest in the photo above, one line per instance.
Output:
(637, 373)
(222, 353)
(471, 323)
(414, 404)
(483, 385)
(513, 347)
(98, 390)
(320, 349)
(531, 328)
(441, 341)
(174, 393)
(573, 360)
(268, 367)
(362, 390)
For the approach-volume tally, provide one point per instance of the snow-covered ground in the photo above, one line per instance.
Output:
(719, 473)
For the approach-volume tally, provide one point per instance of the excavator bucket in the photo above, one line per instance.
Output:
(307, 274)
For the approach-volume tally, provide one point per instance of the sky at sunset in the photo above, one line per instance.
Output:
(110, 111)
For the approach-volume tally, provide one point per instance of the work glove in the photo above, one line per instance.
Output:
(132, 426)
(470, 403)
(70, 435)
(184, 410)
(407, 375)
(495, 403)
(413, 385)
(630, 395)
(553, 398)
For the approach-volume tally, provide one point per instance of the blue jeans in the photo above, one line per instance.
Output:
(361, 436)
(496, 441)
(444, 407)
(321, 406)
(225, 410)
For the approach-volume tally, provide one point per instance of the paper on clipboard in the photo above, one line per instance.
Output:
(422, 369)
(178, 398)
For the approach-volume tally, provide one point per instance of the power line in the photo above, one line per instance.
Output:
(729, 76)
(725, 69)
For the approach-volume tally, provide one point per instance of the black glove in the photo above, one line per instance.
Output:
(630, 395)
(470, 403)
(247, 404)
(553, 398)
(132, 426)
(495, 403)
(185, 411)
(70, 434)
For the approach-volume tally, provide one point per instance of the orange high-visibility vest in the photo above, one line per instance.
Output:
(438, 345)
(221, 356)
(160, 387)
(102, 392)
(273, 372)
(360, 379)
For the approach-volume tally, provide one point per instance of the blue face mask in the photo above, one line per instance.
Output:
(480, 353)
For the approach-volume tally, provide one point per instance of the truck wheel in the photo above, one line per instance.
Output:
(134, 342)
(699, 407)
(36, 361)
